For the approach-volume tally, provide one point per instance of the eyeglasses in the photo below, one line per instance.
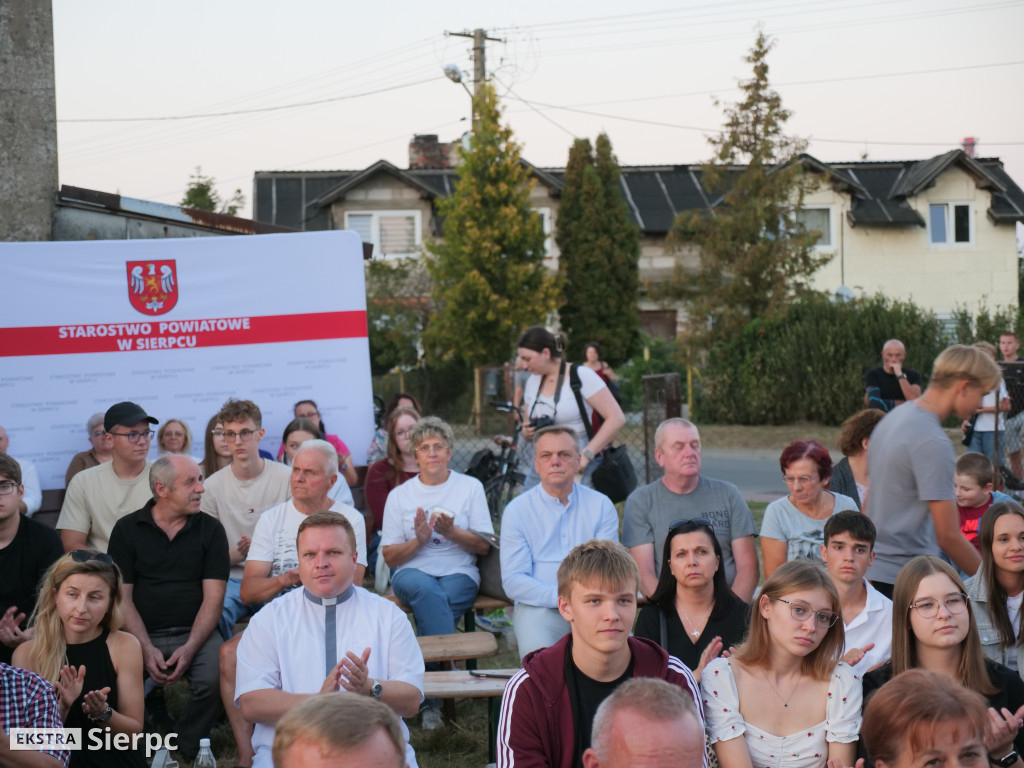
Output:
(927, 608)
(686, 526)
(822, 619)
(245, 435)
(431, 450)
(217, 432)
(98, 433)
(403, 432)
(8, 487)
(803, 479)
(134, 437)
(309, 415)
(84, 556)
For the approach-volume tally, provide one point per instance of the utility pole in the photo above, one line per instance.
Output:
(480, 39)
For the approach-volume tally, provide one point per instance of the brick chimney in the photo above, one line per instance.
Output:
(968, 145)
(425, 151)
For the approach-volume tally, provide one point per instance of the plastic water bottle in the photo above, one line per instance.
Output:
(205, 758)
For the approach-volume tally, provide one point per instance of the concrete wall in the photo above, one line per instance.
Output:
(28, 120)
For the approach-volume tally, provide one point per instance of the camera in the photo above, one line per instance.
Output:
(542, 421)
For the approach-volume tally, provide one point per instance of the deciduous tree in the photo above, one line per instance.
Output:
(489, 278)
(202, 195)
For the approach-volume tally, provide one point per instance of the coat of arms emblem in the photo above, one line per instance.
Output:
(153, 286)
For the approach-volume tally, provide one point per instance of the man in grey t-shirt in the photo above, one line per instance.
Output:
(911, 462)
(682, 494)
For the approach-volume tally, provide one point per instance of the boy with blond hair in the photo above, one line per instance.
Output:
(548, 706)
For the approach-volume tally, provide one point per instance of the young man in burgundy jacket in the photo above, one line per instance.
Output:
(549, 705)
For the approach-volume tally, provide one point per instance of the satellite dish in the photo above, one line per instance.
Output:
(843, 294)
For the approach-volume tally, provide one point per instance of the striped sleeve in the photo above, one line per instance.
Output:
(520, 740)
(680, 674)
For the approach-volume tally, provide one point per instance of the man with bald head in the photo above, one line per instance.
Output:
(892, 384)
(175, 564)
(646, 723)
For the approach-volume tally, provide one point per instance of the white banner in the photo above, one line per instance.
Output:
(178, 326)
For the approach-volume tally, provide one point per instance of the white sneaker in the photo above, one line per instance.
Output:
(431, 719)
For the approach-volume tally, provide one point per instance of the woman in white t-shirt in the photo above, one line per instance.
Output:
(548, 398)
(997, 588)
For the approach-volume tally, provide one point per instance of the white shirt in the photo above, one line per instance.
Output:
(283, 649)
(1013, 610)
(273, 541)
(461, 495)
(871, 625)
(566, 412)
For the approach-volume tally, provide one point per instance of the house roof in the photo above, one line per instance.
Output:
(879, 190)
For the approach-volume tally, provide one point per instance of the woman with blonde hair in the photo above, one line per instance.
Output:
(174, 436)
(933, 628)
(95, 668)
(785, 690)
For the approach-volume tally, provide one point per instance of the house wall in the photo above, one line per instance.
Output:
(902, 263)
(382, 193)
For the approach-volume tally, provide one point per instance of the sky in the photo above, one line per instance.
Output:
(240, 87)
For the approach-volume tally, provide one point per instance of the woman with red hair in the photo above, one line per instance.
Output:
(794, 526)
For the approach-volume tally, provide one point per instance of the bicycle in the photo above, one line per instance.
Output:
(499, 472)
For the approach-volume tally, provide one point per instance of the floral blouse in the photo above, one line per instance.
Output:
(805, 749)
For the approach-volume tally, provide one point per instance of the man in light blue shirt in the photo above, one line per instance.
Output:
(538, 529)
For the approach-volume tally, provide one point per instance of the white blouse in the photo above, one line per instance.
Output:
(805, 749)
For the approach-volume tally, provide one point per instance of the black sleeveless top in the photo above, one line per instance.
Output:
(99, 673)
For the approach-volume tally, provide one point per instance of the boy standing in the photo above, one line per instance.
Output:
(867, 613)
(972, 485)
(548, 706)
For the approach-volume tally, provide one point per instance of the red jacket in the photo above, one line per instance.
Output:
(536, 726)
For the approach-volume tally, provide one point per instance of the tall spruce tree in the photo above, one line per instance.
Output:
(753, 256)
(489, 279)
(598, 251)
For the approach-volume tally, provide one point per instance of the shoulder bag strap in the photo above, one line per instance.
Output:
(576, 386)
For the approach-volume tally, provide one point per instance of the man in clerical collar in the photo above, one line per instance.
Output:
(365, 642)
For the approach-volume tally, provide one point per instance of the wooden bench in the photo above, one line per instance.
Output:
(445, 649)
(460, 684)
(482, 603)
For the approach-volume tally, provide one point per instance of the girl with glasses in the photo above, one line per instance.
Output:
(933, 628)
(785, 692)
(95, 668)
(997, 590)
(794, 526)
(386, 474)
(693, 614)
(217, 453)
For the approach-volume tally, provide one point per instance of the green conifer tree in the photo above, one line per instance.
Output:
(598, 251)
(489, 278)
(753, 256)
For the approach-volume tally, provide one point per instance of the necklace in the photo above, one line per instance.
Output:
(692, 623)
(785, 702)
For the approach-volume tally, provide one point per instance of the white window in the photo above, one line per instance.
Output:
(817, 218)
(950, 224)
(392, 233)
(545, 222)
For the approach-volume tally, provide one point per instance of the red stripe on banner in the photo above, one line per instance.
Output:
(180, 334)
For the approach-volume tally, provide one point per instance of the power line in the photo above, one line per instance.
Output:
(252, 111)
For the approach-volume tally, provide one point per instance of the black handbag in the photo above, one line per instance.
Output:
(614, 476)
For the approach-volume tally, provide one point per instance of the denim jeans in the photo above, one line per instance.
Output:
(437, 602)
(985, 442)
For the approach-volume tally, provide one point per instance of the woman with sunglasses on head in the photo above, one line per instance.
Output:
(997, 589)
(933, 628)
(95, 668)
(785, 691)
(794, 526)
(693, 614)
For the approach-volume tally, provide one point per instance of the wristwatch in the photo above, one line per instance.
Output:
(903, 376)
(107, 713)
(589, 454)
(1006, 761)
(376, 689)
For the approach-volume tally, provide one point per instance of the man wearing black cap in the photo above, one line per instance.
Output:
(98, 497)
